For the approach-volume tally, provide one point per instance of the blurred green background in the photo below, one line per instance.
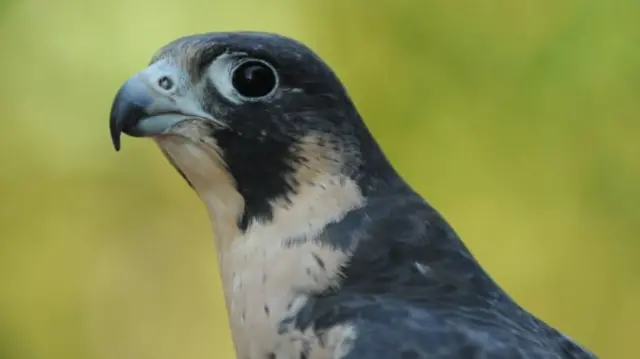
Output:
(519, 120)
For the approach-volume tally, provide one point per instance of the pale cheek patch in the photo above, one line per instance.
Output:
(201, 164)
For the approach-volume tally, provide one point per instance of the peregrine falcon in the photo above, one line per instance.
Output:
(324, 250)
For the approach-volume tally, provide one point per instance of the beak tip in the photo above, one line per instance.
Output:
(115, 140)
(115, 136)
(127, 109)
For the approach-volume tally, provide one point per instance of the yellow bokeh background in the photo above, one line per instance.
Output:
(518, 120)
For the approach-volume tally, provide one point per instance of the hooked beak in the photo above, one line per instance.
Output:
(153, 101)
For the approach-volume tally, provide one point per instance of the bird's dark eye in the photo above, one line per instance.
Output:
(254, 79)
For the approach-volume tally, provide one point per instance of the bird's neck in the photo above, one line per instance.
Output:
(273, 264)
(270, 269)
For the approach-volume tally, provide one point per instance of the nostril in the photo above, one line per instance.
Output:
(165, 82)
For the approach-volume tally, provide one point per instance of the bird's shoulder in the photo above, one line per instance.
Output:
(413, 290)
(401, 242)
(391, 328)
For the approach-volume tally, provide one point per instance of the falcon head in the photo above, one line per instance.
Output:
(252, 120)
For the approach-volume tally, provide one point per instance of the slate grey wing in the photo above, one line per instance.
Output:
(412, 290)
(392, 329)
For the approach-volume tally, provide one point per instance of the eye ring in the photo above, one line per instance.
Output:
(254, 79)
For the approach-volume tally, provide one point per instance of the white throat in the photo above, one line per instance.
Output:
(265, 277)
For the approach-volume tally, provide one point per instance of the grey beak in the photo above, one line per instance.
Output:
(129, 107)
(153, 101)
